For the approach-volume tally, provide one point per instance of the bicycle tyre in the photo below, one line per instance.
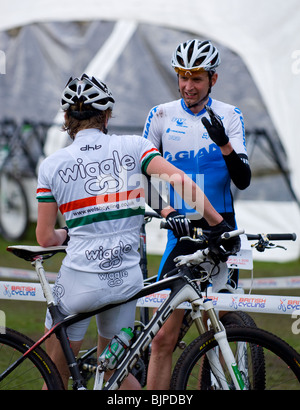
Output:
(33, 372)
(280, 359)
(238, 319)
(256, 352)
(14, 208)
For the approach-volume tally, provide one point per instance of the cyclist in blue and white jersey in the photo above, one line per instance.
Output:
(96, 183)
(206, 139)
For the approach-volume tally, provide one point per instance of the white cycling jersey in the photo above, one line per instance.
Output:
(177, 132)
(96, 183)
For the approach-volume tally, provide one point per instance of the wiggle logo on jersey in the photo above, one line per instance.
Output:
(109, 258)
(114, 278)
(101, 177)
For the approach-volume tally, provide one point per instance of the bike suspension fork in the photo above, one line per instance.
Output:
(212, 356)
(221, 338)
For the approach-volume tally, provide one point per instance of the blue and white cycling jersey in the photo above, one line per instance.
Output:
(184, 141)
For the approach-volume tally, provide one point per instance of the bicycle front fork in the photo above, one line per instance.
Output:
(224, 347)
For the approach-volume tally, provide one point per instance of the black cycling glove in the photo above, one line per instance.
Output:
(180, 225)
(216, 128)
(68, 237)
(229, 246)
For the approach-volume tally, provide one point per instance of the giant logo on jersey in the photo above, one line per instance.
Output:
(192, 154)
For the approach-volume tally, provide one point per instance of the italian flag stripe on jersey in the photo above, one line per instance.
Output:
(104, 216)
(44, 195)
(102, 199)
(147, 157)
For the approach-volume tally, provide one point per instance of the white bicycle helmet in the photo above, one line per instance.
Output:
(195, 55)
(88, 90)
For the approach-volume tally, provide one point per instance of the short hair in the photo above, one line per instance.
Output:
(80, 116)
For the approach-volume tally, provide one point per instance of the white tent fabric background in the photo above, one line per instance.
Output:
(263, 33)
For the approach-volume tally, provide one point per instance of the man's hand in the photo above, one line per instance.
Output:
(221, 249)
(215, 129)
(180, 225)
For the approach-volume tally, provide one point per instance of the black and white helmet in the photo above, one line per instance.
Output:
(89, 90)
(195, 55)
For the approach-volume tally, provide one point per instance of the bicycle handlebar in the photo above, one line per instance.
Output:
(231, 234)
(273, 236)
(152, 214)
(164, 225)
(251, 237)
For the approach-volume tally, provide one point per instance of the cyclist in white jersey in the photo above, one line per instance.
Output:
(96, 182)
(206, 139)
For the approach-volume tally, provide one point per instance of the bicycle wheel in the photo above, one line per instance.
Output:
(33, 372)
(14, 210)
(281, 362)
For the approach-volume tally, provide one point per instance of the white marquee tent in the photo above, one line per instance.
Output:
(264, 34)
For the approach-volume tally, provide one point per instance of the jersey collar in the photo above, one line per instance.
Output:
(87, 131)
(203, 111)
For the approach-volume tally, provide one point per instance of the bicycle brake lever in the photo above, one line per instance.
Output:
(272, 246)
(188, 238)
(190, 260)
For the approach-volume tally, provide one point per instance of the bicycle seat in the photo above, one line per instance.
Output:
(29, 253)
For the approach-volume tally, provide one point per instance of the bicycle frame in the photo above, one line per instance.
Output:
(180, 281)
(182, 288)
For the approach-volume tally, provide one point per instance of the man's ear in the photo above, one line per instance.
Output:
(214, 79)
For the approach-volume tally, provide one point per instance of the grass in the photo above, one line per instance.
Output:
(28, 317)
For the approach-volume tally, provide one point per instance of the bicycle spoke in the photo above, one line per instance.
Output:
(31, 373)
(25, 377)
(278, 364)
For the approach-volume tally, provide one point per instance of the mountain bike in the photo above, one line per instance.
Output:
(19, 354)
(253, 358)
(87, 359)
